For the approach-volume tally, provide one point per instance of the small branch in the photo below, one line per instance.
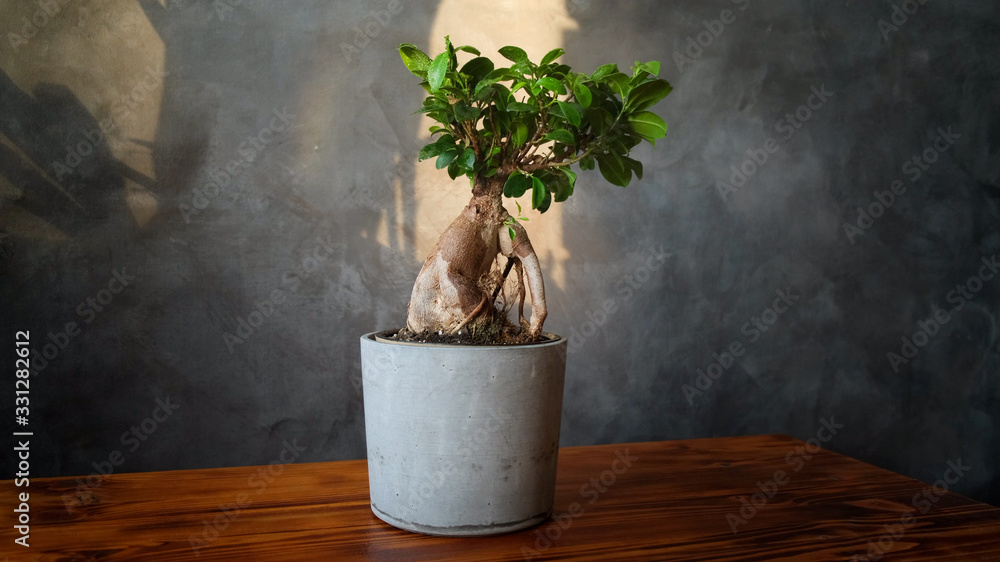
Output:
(549, 162)
(472, 137)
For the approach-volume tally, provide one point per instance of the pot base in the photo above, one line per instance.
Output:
(462, 530)
(462, 440)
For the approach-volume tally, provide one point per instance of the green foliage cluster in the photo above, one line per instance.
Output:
(531, 122)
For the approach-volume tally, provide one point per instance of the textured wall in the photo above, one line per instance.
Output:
(250, 207)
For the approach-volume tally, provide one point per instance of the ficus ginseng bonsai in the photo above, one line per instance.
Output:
(509, 130)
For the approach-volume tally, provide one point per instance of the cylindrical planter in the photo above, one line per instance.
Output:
(462, 440)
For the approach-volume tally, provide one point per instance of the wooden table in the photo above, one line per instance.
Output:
(671, 500)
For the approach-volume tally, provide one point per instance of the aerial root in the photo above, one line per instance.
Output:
(471, 315)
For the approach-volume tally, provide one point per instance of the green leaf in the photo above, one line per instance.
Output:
(431, 150)
(634, 165)
(468, 49)
(522, 68)
(454, 170)
(561, 135)
(516, 185)
(571, 113)
(619, 83)
(443, 143)
(570, 174)
(600, 119)
(614, 169)
(441, 116)
(518, 85)
(653, 67)
(518, 106)
(515, 54)
(565, 188)
(551, 56)
(494, 76)
(437, 71)
(546, 201)
(520, 134)
(647, 95)
(478, 68)
(551, 84)
(648, 124)
(502, 96)
(465, 112)
(468, 158)
(518, 207)
(446, 158)
(511, 232)
(452, 58)
(537, 192)
(583, 95)
(560, 71)
(432, 107)
(414, 59)
(603, 71)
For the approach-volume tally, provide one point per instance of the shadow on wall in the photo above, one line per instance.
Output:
(65, 180)
(280, 150)
(74, 196)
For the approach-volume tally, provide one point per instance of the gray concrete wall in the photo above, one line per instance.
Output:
(141, 280)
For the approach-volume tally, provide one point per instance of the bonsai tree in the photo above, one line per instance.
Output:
(511, 130)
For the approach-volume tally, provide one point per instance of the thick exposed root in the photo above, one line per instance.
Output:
(451, 295)
(519, 270)
(521, 248)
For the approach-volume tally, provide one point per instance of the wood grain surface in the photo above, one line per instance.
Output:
(671, 500)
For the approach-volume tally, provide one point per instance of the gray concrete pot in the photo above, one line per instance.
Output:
(462, 440)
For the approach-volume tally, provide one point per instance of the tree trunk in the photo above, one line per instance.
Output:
(452, 291)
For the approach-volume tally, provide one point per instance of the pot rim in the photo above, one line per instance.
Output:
(555, 339)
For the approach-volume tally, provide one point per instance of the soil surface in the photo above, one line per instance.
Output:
(463, 338)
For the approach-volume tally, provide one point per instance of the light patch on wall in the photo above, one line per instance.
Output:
(392, 238)
(537, 27)
(112, 60)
